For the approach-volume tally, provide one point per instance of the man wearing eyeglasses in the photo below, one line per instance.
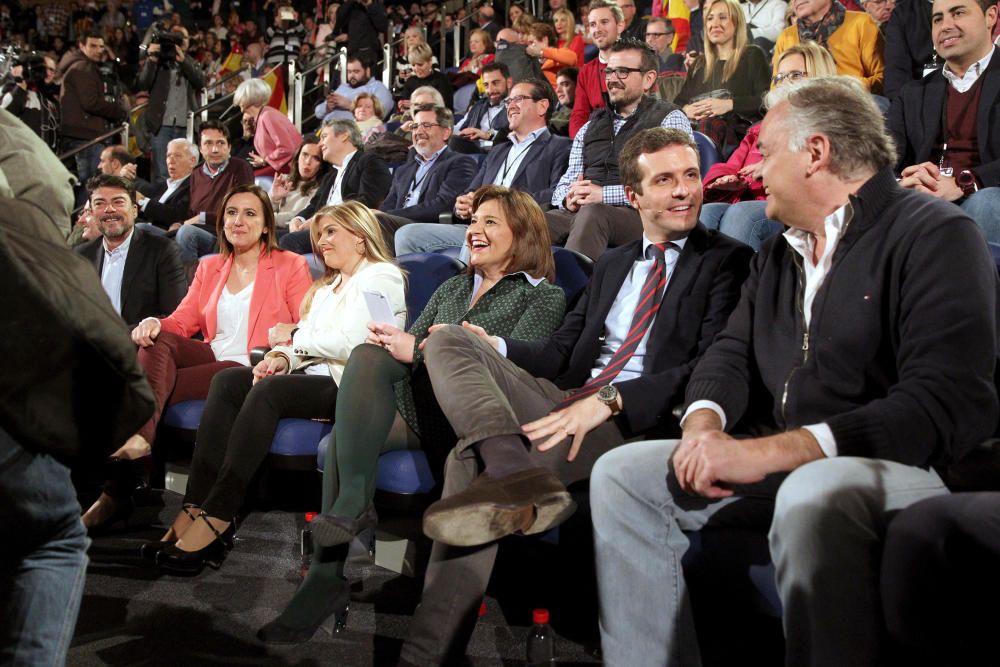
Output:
(590, 210)
(660, 35)
(605, 23)
(142, 273)
(879, 10)
(430, 180)
(635, 27)
(530, 159)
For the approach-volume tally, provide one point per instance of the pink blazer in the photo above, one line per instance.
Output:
(282, 280)
(275, 139)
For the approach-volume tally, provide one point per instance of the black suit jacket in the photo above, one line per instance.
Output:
(472, 119)
(447, 179)
(908, 45)
(175, 209)
(154, 281)
(915, 121)
(703, 289)
(367, 181)
(537, 174)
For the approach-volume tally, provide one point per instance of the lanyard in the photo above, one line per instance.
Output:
(508, 163)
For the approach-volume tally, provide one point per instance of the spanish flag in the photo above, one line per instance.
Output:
(680, 16)
(276, 80)
(233, 61)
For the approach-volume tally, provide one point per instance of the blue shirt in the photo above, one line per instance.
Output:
(511, 163)
(113, 271)
(417, 184)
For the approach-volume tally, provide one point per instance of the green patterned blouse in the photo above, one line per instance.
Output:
(511, 308)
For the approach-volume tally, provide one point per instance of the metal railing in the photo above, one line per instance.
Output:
(297, 83)
(123, 129)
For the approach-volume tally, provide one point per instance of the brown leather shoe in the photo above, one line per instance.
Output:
(530, 501)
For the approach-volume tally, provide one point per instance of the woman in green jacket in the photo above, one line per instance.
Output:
(386, 401)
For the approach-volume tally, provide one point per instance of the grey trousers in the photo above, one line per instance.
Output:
(483, 395)
(828, 520)
(594, 228)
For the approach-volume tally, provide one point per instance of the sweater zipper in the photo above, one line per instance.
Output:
(800, 301)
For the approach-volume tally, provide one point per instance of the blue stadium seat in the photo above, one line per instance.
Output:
(403, 472)
(185, 415)
(707, 151)
(572, 272)
(995, 249)
(296, 442)
(316, 266)
(425, 273)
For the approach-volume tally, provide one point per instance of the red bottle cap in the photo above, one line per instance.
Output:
(482, 608)
(540, 616)
(310, 516)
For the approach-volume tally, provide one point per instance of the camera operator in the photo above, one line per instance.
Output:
(173, 80)
(25, 96)
(88, 107)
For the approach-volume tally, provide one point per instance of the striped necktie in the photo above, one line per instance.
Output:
(645, 312)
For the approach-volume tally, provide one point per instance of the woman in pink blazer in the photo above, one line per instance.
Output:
(275, 138)
(246, 296)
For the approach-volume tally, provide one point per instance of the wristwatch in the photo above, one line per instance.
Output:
(967, 182)
(610, 397)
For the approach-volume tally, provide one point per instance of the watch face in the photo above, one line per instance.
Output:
(607, 394)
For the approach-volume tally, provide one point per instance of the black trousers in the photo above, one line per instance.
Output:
(237, 428)
(941, 556)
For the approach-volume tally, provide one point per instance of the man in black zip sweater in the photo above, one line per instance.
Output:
(860, 355)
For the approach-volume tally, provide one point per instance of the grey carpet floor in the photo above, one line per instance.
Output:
(132, 615)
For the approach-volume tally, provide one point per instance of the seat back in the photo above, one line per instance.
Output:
(707, 152)
(573, 272)
(426, 271)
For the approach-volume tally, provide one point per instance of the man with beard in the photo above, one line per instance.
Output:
(338, 103)
(142, 273)
(485, 124)
(430, 180)
(530, 159)
(605, 23)
(590, 210)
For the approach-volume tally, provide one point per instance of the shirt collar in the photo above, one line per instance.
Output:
(347, 158)
(122, 249)
(431, 159)
(802, 241)
(528, 139)
(646, 243)
(174, 183)
(477, 280)
(208, 171)
(973, 73)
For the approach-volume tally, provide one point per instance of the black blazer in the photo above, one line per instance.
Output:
(154, 281)
(915, 121)
(175, 209)
(367, 181)
(537, 174)
(472, 119)
(702, 291)
(447, 179)
(908, 45)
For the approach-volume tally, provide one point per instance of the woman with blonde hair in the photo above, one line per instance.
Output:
(565, 25)
(387, 401)
(723, 91)
(735, 199)
(297, 378)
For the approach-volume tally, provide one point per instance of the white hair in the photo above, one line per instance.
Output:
(190, 147)
(254, 92)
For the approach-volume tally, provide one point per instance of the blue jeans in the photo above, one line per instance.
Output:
(431, 237)
(828, 521)
(745, 221)
(984, 208)
(195, 242)
(151, 228)
(158, 143)
(43, 557)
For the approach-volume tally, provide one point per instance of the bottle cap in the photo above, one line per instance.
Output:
(310, 516)
(540, 616)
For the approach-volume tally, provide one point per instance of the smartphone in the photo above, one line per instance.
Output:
(286, 14)
(378, 307)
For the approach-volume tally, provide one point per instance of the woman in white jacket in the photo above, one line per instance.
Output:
(295, 379)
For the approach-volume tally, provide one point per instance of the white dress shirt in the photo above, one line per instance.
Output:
(113, 270)
(172, 186)
(336, 196)
(512, 163)
(963, 83)
(233, 331)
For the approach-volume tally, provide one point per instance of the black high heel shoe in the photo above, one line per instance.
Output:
(174, 560)
(276, 632)
(330, 530)
(150, 550)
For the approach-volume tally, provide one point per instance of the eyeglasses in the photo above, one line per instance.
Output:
(517, 99)
(425, 126)
(791, 77)
(657, 34)
(879, 3)
(620, 73)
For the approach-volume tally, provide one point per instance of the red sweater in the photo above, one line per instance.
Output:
(590, 89)
(207, 193)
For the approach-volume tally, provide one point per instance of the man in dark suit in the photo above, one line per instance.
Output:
(530, 159)
(142, 273)
(166, 204)
(614, 370)
(433, 176)
(356, 176)
(909, 51)
(946, 125)
(485, 124)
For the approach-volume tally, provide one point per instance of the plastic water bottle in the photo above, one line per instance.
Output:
(541, 648)
(306, 543)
